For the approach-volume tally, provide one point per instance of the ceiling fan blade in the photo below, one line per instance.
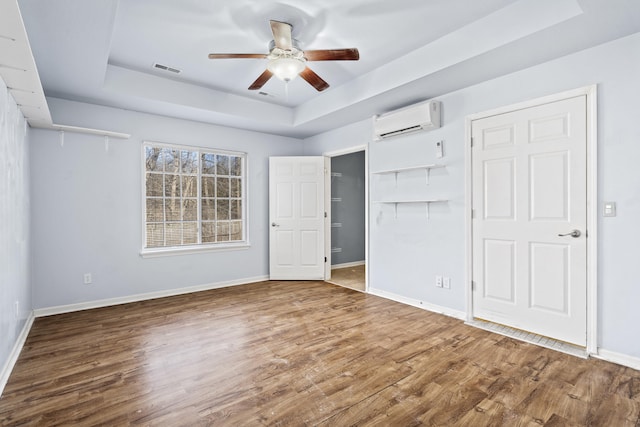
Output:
(313, 79)
(236, 55)
(281, 34)
(260, 81)
(332, 55)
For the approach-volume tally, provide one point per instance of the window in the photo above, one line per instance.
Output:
(194, 197)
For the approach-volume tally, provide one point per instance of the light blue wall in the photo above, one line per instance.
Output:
(15, 276)
(87, 207)
(349, 210)
(406, 254)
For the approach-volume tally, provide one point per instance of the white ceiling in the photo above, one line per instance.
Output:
(102, 51)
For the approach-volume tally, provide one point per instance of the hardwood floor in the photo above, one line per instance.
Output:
(300, 353)
(351, 277)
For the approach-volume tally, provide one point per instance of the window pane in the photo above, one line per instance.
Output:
(235, 185)
(172, 185)
(235, 231)
(208, 209)
(155, 235)
(189, 233)
(223, 165)
(236, 209)
(192, 197)
(174, 233)
(172, 210)
(190, 210)
(151, 155)
(154, 184)
(208, 232)
(222, 228)
(222, 209)
(171, 160)
(223, 187)
(155, 210)
(236, 166)
(189, 160)
(208, 186)
(208, 163)
(189, 186)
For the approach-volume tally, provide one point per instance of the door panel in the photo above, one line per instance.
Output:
(549, 279)
(296, 218)
(499, 183)
(499, 270)
(529, 186)
(549, 184)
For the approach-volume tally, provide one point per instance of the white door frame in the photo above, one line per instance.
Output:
(592, 200)
(342, 152)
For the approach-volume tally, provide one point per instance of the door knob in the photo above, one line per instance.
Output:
(273, 224)
(574, 233)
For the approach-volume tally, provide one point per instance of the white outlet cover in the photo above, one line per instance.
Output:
(447, 283)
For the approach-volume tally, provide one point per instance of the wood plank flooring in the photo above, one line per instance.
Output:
(300, 353)
(351, 277)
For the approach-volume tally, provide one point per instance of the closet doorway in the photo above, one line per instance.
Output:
(349, 189)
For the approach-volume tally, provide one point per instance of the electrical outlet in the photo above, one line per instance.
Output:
(446, 283)
(87, 278)
(439, 281)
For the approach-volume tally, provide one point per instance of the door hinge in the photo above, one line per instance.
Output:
(325, 214)
(473, 213)
(473, 285)
(325, 259)
(472, 141)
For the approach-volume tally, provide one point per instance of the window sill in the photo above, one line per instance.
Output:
(186, 250)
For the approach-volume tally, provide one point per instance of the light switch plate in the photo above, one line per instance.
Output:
(609, 209)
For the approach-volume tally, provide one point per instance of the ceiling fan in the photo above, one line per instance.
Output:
(287, 60)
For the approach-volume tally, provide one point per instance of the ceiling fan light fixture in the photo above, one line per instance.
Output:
(286, 68)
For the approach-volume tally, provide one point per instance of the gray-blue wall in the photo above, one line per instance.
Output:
(87, 207)
(349, 211)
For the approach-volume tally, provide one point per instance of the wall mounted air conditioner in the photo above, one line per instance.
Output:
(422, 116)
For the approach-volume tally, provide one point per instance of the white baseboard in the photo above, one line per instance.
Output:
(49, 311)
(619, 358)
(15, 352)
(420, 304)
(347, 264)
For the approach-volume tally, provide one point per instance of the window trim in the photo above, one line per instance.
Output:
(200, 247)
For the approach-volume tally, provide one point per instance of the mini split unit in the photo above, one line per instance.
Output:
(422, 116)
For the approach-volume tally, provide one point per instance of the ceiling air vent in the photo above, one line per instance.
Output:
(166, 68)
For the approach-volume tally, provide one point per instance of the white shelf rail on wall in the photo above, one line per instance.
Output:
(427, 169)
(395, 171)
(395, 203)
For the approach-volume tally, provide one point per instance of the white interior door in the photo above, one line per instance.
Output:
(297, 218)
(529, 193)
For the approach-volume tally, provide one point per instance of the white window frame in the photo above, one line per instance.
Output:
(199, 247)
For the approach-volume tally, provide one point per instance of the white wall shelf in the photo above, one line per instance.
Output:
(426, 168)
(395, 203)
